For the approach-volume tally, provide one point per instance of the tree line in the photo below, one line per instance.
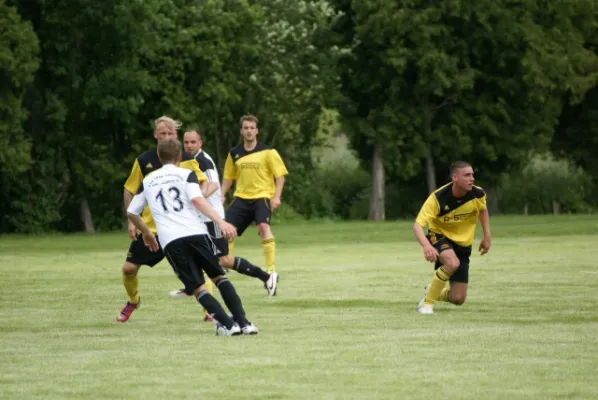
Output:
(511, 86)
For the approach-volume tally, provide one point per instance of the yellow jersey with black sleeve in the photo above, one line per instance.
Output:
(453, 217)
(254, 171)
(148, 162)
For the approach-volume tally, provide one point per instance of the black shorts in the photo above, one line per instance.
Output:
(219, 241)
(139, 254)
(189, 256)
(442, 243)
(242, 212)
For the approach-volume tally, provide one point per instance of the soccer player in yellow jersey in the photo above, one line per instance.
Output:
(139, 254)
(259, 173)
(451, 214)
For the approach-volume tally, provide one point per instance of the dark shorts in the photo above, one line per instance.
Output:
(189, 257)
(219, 241)
(442, 243)
(139, 254)
(242, 212)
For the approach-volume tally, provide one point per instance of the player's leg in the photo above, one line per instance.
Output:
(239, 264)
(210, 288)
(180, 255)
(262, 215)
(447, 264)
(457, 292)
(137, 255)
(239, 214)
(205, 257)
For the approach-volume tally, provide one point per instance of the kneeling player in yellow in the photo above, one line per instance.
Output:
(451, 214)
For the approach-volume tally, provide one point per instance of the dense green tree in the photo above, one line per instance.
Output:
(19, 61)
(481, 80)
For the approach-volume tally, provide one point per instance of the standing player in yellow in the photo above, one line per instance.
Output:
(138, 254)
(451, 214)
(259, 173)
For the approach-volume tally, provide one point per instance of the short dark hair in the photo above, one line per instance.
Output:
(193, 128)
(458, 165)
(169, 151)
(251, 118)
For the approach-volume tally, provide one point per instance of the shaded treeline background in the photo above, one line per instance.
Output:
(368, 101)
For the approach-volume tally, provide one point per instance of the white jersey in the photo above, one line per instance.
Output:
(208, 167)
(168, 192)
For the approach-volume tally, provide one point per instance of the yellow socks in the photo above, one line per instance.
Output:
(231, 246)
(444, 295)
(131, 285)
(269, 252)
(438, 282)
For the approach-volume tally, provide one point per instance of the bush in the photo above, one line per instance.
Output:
(546, 185)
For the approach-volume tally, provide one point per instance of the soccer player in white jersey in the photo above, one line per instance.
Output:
(174, 197)
(193, 145)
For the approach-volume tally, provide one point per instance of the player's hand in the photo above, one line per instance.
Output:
(485, 245)
(228, 230)
(275, 203)
(151, 242)
(430, 253)
(132, 231)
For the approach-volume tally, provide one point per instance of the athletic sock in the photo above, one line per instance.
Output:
(232, 301)
(244, 267)
(438, 283)
(214, 308)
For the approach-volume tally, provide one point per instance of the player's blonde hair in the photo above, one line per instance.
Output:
(166, 120)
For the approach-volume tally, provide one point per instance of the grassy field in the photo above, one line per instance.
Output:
(344, 325)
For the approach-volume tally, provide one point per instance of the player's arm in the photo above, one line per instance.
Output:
(279, 171)
(134, 211)
(131, 186)
(202, 205)
(229, 175)
(427, 213)
(213, 184)
(485, 222)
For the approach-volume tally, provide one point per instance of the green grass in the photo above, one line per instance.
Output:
(344, 325)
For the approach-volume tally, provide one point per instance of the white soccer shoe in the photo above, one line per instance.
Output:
(426, 309)
(272, 284)
(178, 293)
(249, 329)
(423, 308)
(221, 330)
(421, 302)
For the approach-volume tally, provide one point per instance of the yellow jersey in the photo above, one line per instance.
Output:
(145, 164)
(453, 217)
(254, 171)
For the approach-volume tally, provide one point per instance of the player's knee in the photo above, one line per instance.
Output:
(264, 230)
(458, 299)
(227, 261)
(130, 268)
(452, 264)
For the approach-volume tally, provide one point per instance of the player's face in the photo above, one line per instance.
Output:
(249, 131)
(192, 142)
(463, 178)
(164, 132)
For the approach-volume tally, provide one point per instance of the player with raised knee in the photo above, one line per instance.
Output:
(451, 214)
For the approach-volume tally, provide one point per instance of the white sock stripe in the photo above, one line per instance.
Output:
(221, 281)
